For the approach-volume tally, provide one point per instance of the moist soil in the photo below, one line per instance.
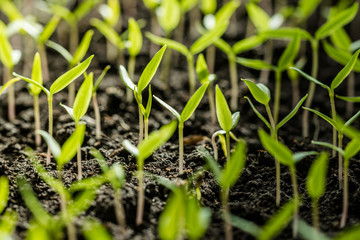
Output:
(252, 197)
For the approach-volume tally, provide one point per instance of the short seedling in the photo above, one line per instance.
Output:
(141, 153)
(145, 78)
(188, 110)
(226, 178)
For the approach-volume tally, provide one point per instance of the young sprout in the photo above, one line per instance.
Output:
(145, 78)
(59, 84)
(80, 107)
(226, 120)
(262, 94)
(186, 113)
(144, 150)
(8, 219)
(226, 178)
(74, 59)
(315, 184)
(204, 76)
(9, 58)
(286, 157)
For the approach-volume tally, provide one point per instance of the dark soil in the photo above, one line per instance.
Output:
(253, 196)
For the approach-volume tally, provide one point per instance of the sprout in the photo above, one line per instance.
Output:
(226, 178)
(188, 110)
(141, 153)
(145, 78)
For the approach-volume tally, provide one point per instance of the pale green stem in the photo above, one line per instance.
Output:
(234, 83)
(333, 115)
(296, 200)
(350, 93)
(71, 93)
(227, 137)
(314, 73)
(44, 62)
(210, 57)
(295, 92)
(74, 37)
(141, 198)
(181, 147)
(78, 157)
(141, 126)
(340, 156)
(166, 65)
(50, 98)
(277, 95)
(37, 120)
(131, 69)
(119, 211)
(146, 127)
(212, 107)
(315, 213)
(11, 94)
(97, 117)
(226, 214)
(192, 76)
(345, 195)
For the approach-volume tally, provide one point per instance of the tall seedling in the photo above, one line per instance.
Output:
(145, 78)
(143, 150)
(186, 113)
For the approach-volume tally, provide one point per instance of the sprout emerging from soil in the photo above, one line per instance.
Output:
(188, 110)
(141, 153)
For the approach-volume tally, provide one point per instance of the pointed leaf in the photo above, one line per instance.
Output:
(245, 226)
(286, 33)
(168, 107)
(49, 29)
(12, 81)
(311, 79)
(69, 110)
(352, 119)
(329, 145)
(169, 43)
(301, 155)
(307, 7)
(169, 14)
(126, 79)
(135, 37)
(36, 75)
(83, 98)
(255, 63)
(93, 230)
(223, 112)
(291, 114)
(339, 55)
(211, 163)
(148, 104)
(100, 78)
(197, 219)
(193, 103)
(290, 53)
(131, 148)
(345, 71)
(335, 124)
(60, 49)
(224, 46)
(349, 99)
(52, 143)
(259, 114)
(351, 149)
(82, 49)
(316, 179)
(5, 48)
(235, 117)
(110, 34)
(226, 11)
(202, 69)
(248, 44)
(258, 17)
(257, 92)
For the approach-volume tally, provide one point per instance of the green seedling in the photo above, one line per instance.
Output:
(8, 219)
(227, 121)
(74, 59)
(94, 230)
(204, 76)
(116, 176)
(284, 155)
(9, 59)
(141, 153)
(80, 107)
(262, 94)
(186, 113)
(95, 102)
(198, 46)
(226, 178)
(315, 184)
(59, 84)
(286, 60)
(145, 78)
(326, 30)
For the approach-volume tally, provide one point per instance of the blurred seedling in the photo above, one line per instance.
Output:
(8, 217)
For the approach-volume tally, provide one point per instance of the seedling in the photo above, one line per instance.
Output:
(186, 113)
(145, 78)
(141, 153)
(286, 157)
(262, 94)
(93, 230)
(315, 184)
(226, 120)
(8, 219)
(226, 178)
(74, 59)
(80, 107)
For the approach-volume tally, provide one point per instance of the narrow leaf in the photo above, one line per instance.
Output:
(291, 114)
(311, 79)
(69, 110)
(308, 232)
(202, 69)
(245, 226)
(193, 102)
(349, 99)
(109, 33)
(168, 107)
(351, 149)
(335, 124)
(49, 29)
(329, 145)
(126, 79)
(260, 95)
(255, 63)
(52, 143)
(131, 148)
(235, 117)
(290, 53)
(223, 112)
(248, 44)
(82, 49)
(60, 49)
(345, 71)
(169, 14)
(258, 17)
(316, 179)
(83, 98)
(148, 104)
(211, 163)
(36, 75)
(306, 8)
(12, 81)
(169, 43)
(5, 48)
(224, 46)
(301, 155)
(100, 78)
(286, 33)
(259, 114)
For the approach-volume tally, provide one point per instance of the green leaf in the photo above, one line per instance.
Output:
(341, 39)
(306, 8)
(278, 150)
(82, 49)
(84, 8)
(245, 226)
(168, 107)
(329, 145)
(69, 110)
(36, 231)
(113, 14)
(131, 148)
(51, 142)
(135, 37)
(69, 148)
(94, 230)
(36, 75)
(226, 11)
(208, 6)
(87, 183)
(234, 166)
(286, 33)
(350, 233)
(336, 22)
(197, 219)
(101, 160)
(301, 155)
(211, 163)
(309, 233)
(258, 17)
(345, 71)
(259, 114)
(154, 141)
(335, 124)
(316, 180)
(169, 14)
(49, 29)
(257, 92)
(202, 69)
(235, 117)
(126, 79)
(352, 119)
(83, 98)
(223, 112)
(110, 34)
(80, 204)
(349, 99)
(254, 63)
(169, 43)
(64, 80)
(5, 48)
(278, 221)
(14, 80)
(148, 104)
(224, 46)
(8, 224)
(248, 44)
(10, 10)
(351, 149)
(60, 49)
(290, 53)
(291, 114)
(311, 79)
(100, 78)
(151, 4)
(4, 192)
(116, 176)
(150, 70)
(193, 102)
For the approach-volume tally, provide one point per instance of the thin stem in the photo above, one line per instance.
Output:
(155, 29)
(333, 115)
(146, 127)
(315, 213)
(166, 65)
(179, 37)
(78, 156)
(97, 116)
(192, 76)
(211, 99)
(141, 126)
(131, 69)
(210, 57)
(37, 120)
(295, 92)
(269, 52)
(345, 195)
(11, 94)
(296, 200)
(350, 93)
(44, 62)
(181, 147)
(119, 211)
(277, 95)
(71, 93)
(272, 122)
(314, 73)
(74, 37)
(227, 137)
(111, 52)
(226, 214)
(48, 155)
(340, 156)
(234, 83)
(141, 198)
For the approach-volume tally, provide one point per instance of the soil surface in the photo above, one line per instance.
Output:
(252, 197)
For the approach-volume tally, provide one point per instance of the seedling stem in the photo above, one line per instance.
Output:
(181, 147)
